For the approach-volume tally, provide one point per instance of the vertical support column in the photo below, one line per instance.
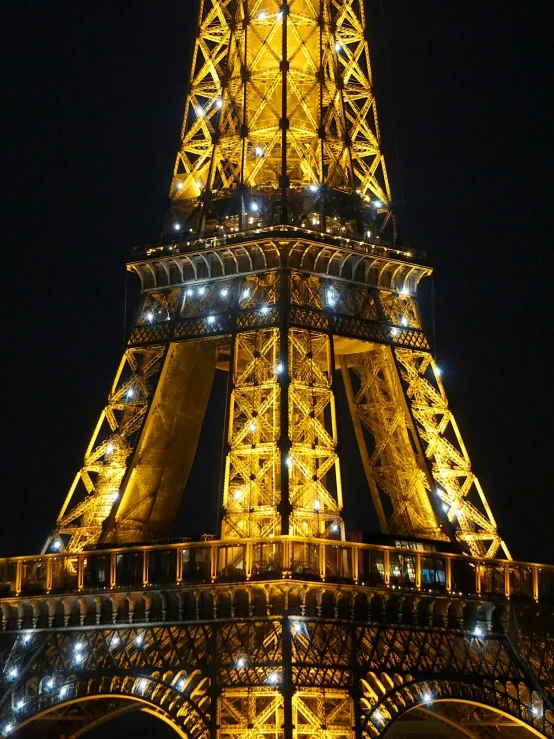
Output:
(356, 692)
(284, 122)
(448, 574)
(145, 574)
(288, 687)
(284, 508)
(226, 447)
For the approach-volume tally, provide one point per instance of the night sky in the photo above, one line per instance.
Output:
(91, 113)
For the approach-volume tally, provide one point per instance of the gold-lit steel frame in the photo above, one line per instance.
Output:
(281, 96)
(96, 486)
(255, 463)
(286, 333)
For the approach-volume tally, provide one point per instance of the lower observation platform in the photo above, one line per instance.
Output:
(283, 558)
(281, 638)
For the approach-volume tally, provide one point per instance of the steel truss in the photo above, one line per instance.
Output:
(284, 675)
(96, 486)
(281, 97)
(282, 335)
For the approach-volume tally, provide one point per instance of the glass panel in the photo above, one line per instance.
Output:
(371, 566)
(433, 576)
(162, 566)
(338, 562)
(33, 580)
(464, 576)
(402, 569)
(129, 568)
(521, 582)
(8, 572)
(196, 564)
(305, 559)
(231, 561)
(97, 571)
(546, 585)
(267, 559)
(64, 574)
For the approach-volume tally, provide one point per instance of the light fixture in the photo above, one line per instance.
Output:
(477, 632)
(150, 317)
(13, 673)
(377, 204)
(394, 331)
(224, 292)
(297, 627)
(331, 297)
(338, 47)
(182, 685)
(264, 310)
(404, 321)
(139, 640)
(253, 426)
(178, 185)
(241, 663)
(335, 528)
(26, 638)
(115, 640)
(427, 699)
(254, 207)
(440, 493)
(279, 368)
(219, 103)
(63, 691)
(288, 462)
(245, 294)
(377, 715)
(50, 683)
(8, 728)
(258, 151)
(262, 15)
(273, 678)
(317, 505)
(143, 682)
(176, 226)
(438, 371)
(79, 657)
(200, 112)
(368, 234)
(237, 495)
(404, 291)
(211, 319)
(201, 291)
(536, 712)
(313, 188)
(445, 507)
(130, 393)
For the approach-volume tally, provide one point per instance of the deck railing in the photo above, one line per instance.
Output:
(276, 558)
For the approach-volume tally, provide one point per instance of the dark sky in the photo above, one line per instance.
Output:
(91, 112)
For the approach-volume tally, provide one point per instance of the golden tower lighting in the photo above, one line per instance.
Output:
(280, 267)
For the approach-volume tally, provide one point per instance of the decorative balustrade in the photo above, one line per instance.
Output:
(316, 560)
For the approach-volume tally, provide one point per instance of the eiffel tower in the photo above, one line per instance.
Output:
(280, 266)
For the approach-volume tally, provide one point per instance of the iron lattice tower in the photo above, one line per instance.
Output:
(279, 266)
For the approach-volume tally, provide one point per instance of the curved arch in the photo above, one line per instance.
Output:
(410, 696)
(182, 721)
